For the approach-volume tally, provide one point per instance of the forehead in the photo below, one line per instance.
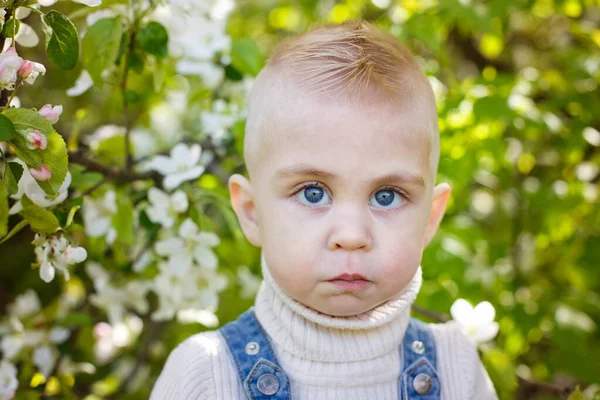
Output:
(348, 141)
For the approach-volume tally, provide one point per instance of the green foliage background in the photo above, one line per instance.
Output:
(522, 229)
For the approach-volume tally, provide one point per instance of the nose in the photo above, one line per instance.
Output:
(350, 231)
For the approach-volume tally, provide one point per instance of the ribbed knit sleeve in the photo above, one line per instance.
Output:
(461, 371)
(189, 371)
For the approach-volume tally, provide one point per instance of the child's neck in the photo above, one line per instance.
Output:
(310, 334)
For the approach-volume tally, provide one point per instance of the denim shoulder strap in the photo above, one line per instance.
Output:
(419, 378)
(254, 359)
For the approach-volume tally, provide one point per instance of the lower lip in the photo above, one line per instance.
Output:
(350, 285)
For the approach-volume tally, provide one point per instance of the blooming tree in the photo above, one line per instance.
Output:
(117, 184)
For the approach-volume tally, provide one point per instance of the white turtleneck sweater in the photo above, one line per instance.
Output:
(325, 357)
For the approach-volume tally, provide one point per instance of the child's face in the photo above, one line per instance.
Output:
(350, 218)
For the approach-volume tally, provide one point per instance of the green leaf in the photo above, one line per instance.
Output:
(76, 319)
(7, 129)
(55, 158)
(3, 209)
(122, 220)
(62, 42)
(100, 46)
(153, 39)
(16, 229)
(11, 27)
(576, 395)
(17, 170)
(12, 176)
(246, 56)
(25, 118)
(40, 219)
(71, 215)
(23, 3)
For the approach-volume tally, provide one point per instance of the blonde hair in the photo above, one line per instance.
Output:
(354, 61)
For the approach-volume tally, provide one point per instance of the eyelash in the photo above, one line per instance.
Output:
(309, 184)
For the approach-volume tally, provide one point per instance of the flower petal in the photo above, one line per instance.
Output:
(462, 312)
(486, 332)
(194, 155)
(180, 152)
(174, 180)
(484, 312)
(82, 84)
(205, 257)
(188, 229)
(169, 246)
(89, 3)
(179, 201)
(163, 164)
(180, 263)
(209, 239)
(158, 197)
(27, 36)
(47, 272)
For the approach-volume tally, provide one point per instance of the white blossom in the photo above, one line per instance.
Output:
(181, 166)
(191, 23)
(26, 37)
(29, 186)
(10, 62)
(97, 216)
(216, 122)
(475, 322)
(198, 290)
(111, 337)
(8, 380)
(51, 113)
(114, 300)
(248, 282)
(190, 246)
(164, 207)
(43, 358)
(89, 3)
(26, 304)
(82, 84)
(54, 252)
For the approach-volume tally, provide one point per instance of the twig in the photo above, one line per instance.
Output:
(116, 174)
(96, 186)
(529, 389)
(128, 122)
(438, 317)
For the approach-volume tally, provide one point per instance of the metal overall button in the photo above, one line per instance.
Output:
(423, 383)
(268, 384)
(418, 347)
(252, 348)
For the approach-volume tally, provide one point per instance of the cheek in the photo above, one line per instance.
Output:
(401, 257)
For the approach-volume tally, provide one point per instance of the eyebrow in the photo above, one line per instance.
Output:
(307, 170)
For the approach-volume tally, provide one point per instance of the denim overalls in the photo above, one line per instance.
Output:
(263, 379)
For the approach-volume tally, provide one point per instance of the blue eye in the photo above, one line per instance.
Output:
(312, 194)
(386, 197)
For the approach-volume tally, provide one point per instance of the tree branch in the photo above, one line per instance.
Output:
(437, 317)
(128, 122)
(117, 174)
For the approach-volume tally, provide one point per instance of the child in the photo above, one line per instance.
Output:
(342, 151)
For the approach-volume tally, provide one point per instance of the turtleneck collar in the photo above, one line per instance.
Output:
(312, 335)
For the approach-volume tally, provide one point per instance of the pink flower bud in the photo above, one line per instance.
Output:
(74, 255)
(51, 113)
(42, 174)
(26, 69)
(36, 140)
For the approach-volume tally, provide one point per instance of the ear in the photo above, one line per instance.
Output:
(441, 195)
(243, 204)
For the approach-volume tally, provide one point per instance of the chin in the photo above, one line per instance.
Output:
(348, 309)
